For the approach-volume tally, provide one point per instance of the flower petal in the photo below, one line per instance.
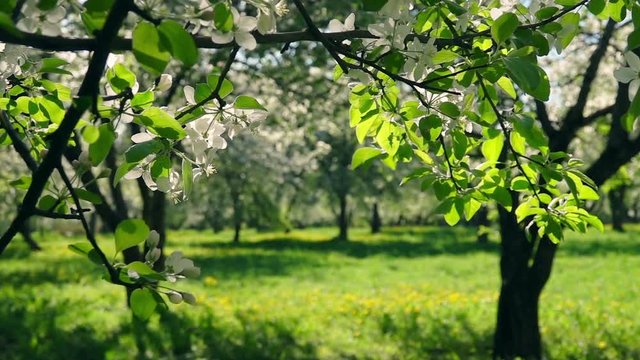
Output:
(246, 40)
(189, 94)
(335, 26)
(633, 88)
(350, 22)
(221, 38)
(633, 60)
(625, 74)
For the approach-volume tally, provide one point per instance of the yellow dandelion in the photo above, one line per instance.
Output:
(210, 281)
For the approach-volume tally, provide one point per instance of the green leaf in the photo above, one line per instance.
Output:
(222, 17)
(129, 233)
(529, 77)
(7, 24)
(142, 100)
(88, 196)
(459, 144)
(90, 134)
(492, 148)
(471, 207)
(99, 149)
(225, 89)
(179, 42)
(632, 114)
(148, 49)
(450, 109)
(247, 102)
(187, 178)
(363, 155)
(143, 304)
(139, 151)
(84, 248)
(54, 66)
(122, 171)
(507, 86)
(162, 124)
(504, 26)
(444, 56)
(120, 78)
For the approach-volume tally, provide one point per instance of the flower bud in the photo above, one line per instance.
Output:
(152, 255)
(175, 297)
(191, 272)
(153, 239)
(133, 274)
(189, 298)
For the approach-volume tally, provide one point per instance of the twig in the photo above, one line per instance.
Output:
(215, 94)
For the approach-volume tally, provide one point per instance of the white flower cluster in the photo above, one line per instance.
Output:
(205, 134)
(11, 60)
(46, 22)
(243, 25)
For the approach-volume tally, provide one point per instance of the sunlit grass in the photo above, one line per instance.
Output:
(406, 293)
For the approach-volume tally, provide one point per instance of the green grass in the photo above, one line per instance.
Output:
(408, 293)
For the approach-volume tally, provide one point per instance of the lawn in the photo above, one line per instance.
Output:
(407, 293)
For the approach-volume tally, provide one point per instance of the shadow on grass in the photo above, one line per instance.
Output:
(393, 243)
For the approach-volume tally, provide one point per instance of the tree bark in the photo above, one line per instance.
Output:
(517, 331)
(618, 207)
(237, 215)
(154, 214)
(376, 222)
(343, 221)
(482, 221)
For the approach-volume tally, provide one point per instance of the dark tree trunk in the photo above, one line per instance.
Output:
(517, 331)
(26, 235)
(237, 215)
(483, 223)
(343, 219)
(154, 214)
(618, 207)
(376, 223)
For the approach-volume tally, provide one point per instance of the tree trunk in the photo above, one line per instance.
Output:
(237, 215)
(483, 223)
(154, 214)
(517, 330)
(376, 223)
(618, 207)
(343, 221)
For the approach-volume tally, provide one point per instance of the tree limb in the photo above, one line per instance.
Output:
(88, 90)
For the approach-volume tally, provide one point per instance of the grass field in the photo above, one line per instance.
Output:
(408, 293)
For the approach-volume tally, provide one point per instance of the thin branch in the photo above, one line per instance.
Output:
(446, 156)
(599, 113)
(17, 143)
(60, 43)
(215, 94)
(53, 215)
(319, 36)
(113, 273)
(59, 139)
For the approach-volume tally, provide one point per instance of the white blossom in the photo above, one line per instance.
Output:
(630, 74)
(243, 25)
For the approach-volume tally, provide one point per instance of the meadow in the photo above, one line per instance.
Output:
(406, 293)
